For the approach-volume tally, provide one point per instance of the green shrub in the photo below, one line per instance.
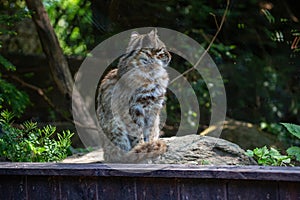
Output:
(265, 156)
(295, 131)
(30, 143)
(10, 96)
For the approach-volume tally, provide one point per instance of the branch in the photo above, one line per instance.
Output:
(210, 44)
(41, 92)
(215, 18)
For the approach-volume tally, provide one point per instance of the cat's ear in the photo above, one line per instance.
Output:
(153, 33)
(134, 34)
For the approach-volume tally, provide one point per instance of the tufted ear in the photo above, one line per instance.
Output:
(153, 33)
(134, 34)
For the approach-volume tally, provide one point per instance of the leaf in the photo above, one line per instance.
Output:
(32, 144)
(7, 65)
(286, 161)
(261, 152)
(293, 129)
(31, 147)
(294, 151)
(14, 98)
(249, 153)
(6, 117)
(29, 126)
(41, 150)
(274, 152)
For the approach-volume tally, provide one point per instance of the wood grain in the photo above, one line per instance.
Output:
(100, 181)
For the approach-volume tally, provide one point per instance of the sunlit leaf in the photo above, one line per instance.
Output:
(293, 129)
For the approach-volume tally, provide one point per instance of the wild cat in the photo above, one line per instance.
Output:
(130, 99)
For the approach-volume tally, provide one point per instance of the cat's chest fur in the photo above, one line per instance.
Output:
(138, 77)
(139, 82)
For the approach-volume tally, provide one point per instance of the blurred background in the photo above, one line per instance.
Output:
(257, 52)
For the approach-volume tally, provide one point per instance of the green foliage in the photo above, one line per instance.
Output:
(294, 130)
(10, 20)
(294, 152)
(265, 156)
(13, 98)
(71, 20)
(30, 143)
(254, 50)
(10, 96)
(10, 13)
(6, 64)
(262, 83)
(280, 132)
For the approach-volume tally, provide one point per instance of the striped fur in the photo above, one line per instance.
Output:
(130, 100)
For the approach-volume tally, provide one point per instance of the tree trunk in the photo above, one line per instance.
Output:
(57, 61)
(59, 68)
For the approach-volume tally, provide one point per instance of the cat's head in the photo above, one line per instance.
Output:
(149, 47)
(149, 40)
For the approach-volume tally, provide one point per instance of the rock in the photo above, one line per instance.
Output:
(195, 149)
(189, 149)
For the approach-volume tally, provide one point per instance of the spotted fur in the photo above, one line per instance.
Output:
(130, 100)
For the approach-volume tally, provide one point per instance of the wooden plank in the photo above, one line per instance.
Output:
(202, 189)
(289, 190)
(163, 171)
(150, 185)
(116, 188)
(13, 187)
(43, 187)
(78, 188)
(243, 190)
(156, 188)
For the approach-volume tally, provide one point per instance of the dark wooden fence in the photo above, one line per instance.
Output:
(99, 181)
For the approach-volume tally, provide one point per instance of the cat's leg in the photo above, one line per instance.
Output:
(120, 139)
(117, 146)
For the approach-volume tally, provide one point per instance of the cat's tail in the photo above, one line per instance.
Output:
(139, 154)
(147, 150)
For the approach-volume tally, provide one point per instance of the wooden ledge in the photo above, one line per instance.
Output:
(146, 170)
(124, 181)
